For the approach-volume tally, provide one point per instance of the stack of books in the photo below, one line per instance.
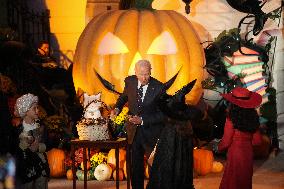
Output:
(249, 69)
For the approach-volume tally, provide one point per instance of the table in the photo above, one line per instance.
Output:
(107, 144)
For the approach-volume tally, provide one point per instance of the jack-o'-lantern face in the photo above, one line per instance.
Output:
(113, 42)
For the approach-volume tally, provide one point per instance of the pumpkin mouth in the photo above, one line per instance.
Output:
(108, 85)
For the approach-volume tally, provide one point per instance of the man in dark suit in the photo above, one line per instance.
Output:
(142, 94)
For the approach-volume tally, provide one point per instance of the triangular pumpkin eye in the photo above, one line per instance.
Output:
(164, 44)
(111, 44)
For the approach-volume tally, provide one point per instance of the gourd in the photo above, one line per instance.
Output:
(69, 174)
(217, 167)
(103, 172)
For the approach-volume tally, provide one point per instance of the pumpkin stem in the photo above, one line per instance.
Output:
(143, 4)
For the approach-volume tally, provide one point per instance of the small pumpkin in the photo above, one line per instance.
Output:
(217, 167)
(111, 160)
(103, 172)
(69, 174)
(202, 161)
(120, 174)
(80, 175)
(56, 164)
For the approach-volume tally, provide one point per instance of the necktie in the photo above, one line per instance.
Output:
(139, 98)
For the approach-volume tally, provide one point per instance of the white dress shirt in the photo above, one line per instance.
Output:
(144, 89)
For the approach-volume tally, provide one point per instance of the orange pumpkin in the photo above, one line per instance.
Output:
(55, 159)
(120, 174)
(111, 160)
(217, 167)
(202, 161)
(69, 174)
(114, 41)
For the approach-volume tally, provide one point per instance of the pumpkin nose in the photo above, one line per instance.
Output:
(137, 57)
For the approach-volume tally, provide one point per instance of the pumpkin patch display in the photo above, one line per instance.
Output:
(56, 164)
(114, 41)
(202, 161)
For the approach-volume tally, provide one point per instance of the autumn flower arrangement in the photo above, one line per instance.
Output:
(118, 123)
(98, 158)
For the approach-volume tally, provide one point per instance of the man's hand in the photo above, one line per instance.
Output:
(135, 120)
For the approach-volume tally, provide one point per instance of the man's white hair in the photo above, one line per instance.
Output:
(143, 63)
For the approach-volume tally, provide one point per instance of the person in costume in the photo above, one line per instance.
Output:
(32, 170)
(172, 166)
(240, 134)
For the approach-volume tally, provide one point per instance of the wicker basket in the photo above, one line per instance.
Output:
(89, 129)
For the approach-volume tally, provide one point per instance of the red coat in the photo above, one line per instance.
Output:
(239, 166)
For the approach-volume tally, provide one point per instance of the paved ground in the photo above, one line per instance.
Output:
(268, 174)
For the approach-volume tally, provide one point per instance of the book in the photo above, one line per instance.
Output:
(245, 50)
(246, 78)
(244, 68)
(265, 85)
(242, 59)
(249, 56)
(252, 77)
(252, 70)
(255, 85)
(262, 91)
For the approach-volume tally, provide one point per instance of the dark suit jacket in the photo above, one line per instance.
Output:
(153, 118)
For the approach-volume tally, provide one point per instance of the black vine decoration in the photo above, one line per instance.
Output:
(224, 45)
(253, 8)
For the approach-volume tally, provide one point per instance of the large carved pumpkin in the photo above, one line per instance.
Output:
(114, 41)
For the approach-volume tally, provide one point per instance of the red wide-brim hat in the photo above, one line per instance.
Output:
(244, 98)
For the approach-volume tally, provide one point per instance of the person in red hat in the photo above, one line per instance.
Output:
(240, 134)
